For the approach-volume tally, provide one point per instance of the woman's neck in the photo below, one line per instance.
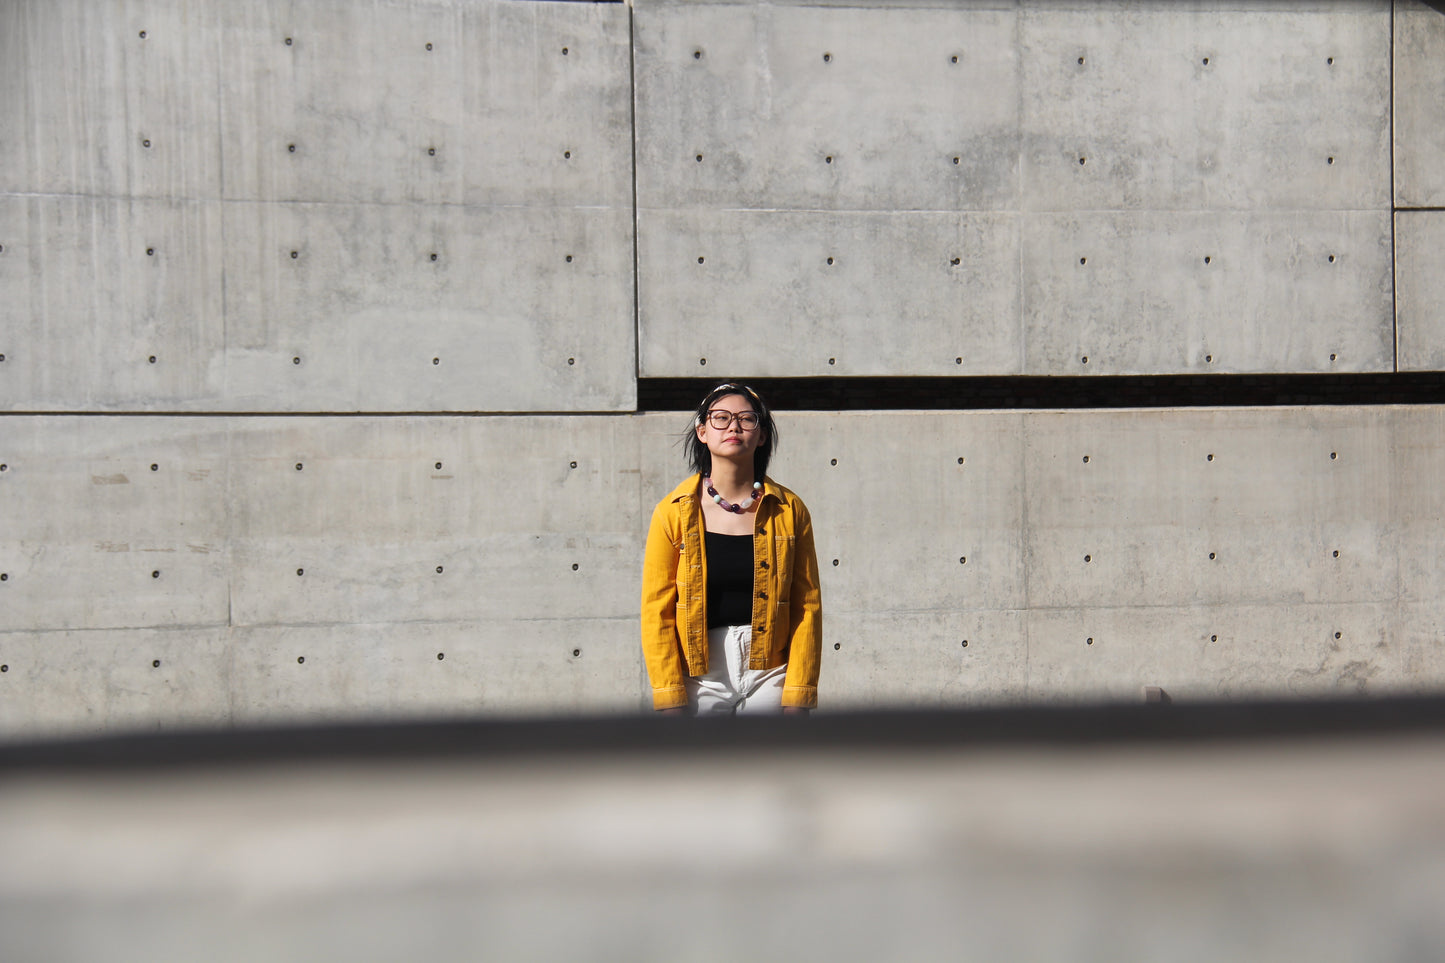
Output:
(733, 480)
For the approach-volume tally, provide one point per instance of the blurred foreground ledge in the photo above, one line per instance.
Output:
(1306, 830)
(1061, 725)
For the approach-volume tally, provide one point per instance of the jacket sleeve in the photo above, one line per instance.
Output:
(661, 648)
(805, 632)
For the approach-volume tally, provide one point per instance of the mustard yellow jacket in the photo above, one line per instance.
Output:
(787, 604)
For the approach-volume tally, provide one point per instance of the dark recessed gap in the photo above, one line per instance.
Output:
(1105, 391)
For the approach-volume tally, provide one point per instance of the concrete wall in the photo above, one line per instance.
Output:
(328, 206)
(1037, 188)
(304, 568)
(214, 213)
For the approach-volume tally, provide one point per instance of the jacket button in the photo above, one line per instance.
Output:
(762, 595)
(764, 564)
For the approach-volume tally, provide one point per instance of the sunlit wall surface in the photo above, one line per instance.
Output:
(322, 326)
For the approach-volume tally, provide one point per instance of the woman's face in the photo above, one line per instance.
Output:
(732, 442)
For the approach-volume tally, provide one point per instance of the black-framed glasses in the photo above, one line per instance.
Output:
(722, 419)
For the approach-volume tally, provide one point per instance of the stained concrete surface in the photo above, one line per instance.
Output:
(271, 207)
(1419, 289)
(1003, 556)
(1419, 110)
(1107, 151)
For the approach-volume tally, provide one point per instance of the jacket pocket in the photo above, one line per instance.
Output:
(783, 564)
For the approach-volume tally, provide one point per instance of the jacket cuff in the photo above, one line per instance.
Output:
(669, 697)
(799, 696)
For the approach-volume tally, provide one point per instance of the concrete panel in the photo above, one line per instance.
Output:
(1141, 293)
(939, 531)
(965, 656)
(427, 101)
(1219, 652)
(110, 99)
(799, 106)
(1419, 458)
(370, 530)
(1419, 109)
(109, 303)
(546, 665)
(915, 294)
(480, 154)
(1420, 289)
(1165, 106)
(1209, 507)
(87, 682)
(428, 308)
(523, 308)
(336, 562)
(112, 524)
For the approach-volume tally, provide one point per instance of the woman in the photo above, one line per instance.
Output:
(731, 612)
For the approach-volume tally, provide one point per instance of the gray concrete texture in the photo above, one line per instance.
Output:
(1302, 850)
(1419, 107)
(454, 232)
(426, 206)
(330, 206)
(314, 568)
(1017, 187)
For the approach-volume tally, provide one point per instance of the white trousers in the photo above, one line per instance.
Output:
(730, 687)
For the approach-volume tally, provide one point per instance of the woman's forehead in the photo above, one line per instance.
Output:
(733, 402)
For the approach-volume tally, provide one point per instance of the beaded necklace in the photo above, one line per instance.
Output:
(737, 509)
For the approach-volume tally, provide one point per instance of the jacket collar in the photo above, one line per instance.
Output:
(690, 487)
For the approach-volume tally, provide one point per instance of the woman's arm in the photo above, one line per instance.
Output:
(660, 647)
(805, 633)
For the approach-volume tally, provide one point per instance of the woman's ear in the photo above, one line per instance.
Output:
(701, 430)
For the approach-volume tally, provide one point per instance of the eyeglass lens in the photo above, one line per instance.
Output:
(720, 419)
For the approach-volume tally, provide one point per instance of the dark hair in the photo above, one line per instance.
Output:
(700, 459)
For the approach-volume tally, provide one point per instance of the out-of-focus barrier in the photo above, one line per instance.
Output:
(1192, 833)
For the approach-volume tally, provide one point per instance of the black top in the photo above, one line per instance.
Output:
(729, 579)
